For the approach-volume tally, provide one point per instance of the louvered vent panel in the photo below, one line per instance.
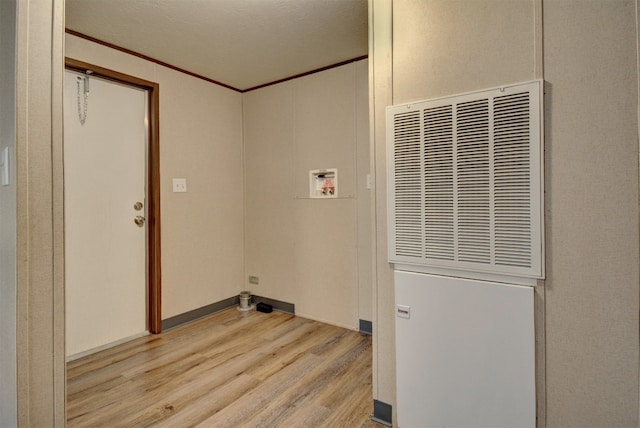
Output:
(474, 210)
(438, 183)
(512, 187)
(408, 190)
(465, 182)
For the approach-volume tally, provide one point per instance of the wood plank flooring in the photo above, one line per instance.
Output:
(232, 369)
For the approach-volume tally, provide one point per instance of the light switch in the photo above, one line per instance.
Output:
(4, 166)
(179, 185)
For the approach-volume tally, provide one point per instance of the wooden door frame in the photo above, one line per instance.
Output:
(154, 274)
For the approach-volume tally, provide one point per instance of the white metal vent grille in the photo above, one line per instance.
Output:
(438, 178)
(465, 182)
(408, 206)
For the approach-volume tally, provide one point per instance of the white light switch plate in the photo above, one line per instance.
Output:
(4, 166)
(179, 185)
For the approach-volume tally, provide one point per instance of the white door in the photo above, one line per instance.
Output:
(104, 178)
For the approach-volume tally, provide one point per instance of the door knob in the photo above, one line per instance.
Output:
(139, 220)
(138, 206)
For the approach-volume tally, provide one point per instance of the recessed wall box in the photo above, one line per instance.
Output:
(323, 183)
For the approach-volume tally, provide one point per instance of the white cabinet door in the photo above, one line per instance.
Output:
(465, 353)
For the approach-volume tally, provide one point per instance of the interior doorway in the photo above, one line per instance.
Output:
(112, 215)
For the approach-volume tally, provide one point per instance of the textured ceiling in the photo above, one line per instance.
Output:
(240, 43)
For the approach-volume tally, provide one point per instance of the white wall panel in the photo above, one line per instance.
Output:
(465, 355)
(309, 251)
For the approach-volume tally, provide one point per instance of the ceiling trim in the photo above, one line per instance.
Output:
(148, 58)
(349, 61)
(198, 76)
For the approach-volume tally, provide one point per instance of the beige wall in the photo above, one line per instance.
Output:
(39, 241)
(9, 391)
(200, 140)
(592, 213)
(363, 193)
(447, 47)
(380, 96)
(588, 307)
(310, 252)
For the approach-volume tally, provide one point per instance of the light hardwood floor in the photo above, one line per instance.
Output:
(232, 369)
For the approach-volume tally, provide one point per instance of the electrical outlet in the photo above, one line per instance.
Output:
(253, 280)
(179, 185)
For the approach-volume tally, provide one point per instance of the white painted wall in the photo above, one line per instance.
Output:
(202, 230)
(310, 252)
(8, 209)
(200, 140)
(588, 306)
